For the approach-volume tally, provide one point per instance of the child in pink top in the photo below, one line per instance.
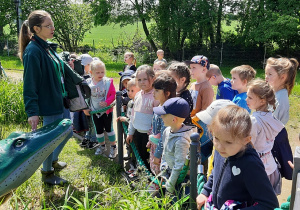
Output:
(144, 102)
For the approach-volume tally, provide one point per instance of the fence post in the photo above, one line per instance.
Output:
(119, 127)
(195, 137)
(295, 195)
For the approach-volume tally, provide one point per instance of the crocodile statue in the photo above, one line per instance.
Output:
(21, 154)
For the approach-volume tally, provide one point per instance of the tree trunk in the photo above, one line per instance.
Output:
(218, 35)
(1, 31)
(147, 33)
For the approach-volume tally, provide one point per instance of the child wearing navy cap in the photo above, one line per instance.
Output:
(176, 139)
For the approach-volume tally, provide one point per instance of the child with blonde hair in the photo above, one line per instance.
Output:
(130, 60)
(265, 127)
(216, 78)
(144, 102)
(241, 75)
(159, 65)
(103, 93)
(280, 73)
(238, 179)
(160, 56)
(201, 90)
(132, 89)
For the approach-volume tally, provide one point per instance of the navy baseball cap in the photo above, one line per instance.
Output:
(199, 59)
(177, 106)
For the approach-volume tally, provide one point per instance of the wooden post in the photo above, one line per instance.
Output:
(195, 137)
(119, 127)
(295, 195)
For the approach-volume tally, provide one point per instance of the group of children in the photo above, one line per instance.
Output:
(251, 153)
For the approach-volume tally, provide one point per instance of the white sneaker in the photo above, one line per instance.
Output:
(100, 150)
(113, 152)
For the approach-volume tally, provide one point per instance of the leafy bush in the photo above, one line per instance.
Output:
(12, 109)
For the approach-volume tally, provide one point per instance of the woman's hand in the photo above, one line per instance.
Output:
(103, 104)
(87, 112)
(129, 139)
(156, 161)
(33, 121)
(201, 200)
(291, 164)
(122, 119)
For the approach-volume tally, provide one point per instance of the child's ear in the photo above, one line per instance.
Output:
(283, 77)
(247, 140)
(245, 82)
(182, 79)
(167, 94)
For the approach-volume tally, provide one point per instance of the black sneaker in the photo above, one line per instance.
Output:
(92, 145)
(84, 142)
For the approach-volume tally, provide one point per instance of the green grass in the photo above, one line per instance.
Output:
(111, 35)
(11, 62)
(95, 181)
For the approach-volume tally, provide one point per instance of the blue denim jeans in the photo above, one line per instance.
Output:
(47, 164)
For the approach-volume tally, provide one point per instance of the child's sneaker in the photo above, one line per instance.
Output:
(113, 152)
(100, 150)
(134, 174)
(131, 170)
(92, 145)
(84, 142)
(152, 187)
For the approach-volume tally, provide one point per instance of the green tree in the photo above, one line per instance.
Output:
(7, 15)
(71, 20)
(268, 21)
(124, 12)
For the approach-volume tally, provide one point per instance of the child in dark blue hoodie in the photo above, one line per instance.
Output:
(238, 179)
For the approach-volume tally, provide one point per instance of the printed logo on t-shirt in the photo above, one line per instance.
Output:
(194, 94)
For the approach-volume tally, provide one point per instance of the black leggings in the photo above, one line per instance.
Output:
(140, 140)
(103, 122)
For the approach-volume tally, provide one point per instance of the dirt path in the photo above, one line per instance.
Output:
(15, 75)
(292, 128)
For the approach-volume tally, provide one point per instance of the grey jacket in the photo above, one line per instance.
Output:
(176, 147)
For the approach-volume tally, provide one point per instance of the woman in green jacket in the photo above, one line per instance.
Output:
(48, 81)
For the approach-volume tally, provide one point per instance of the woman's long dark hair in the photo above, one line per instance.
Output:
(36, 18)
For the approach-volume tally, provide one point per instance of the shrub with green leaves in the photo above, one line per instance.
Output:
(12, 109)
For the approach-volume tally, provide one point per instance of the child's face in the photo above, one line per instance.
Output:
(272, 77)
(226, 145)
(156, 67)
(197, 71)
(128, 59)
(144, 82)
(237, 83)
(124, 82)
(98, 74)
(87, 68)
(168, 119)
(132, 90)
(160, 96)
(253, 101)
(160, 55)
(71, 63)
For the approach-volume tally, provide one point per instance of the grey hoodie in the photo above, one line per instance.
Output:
(265, 128)
(176, 147)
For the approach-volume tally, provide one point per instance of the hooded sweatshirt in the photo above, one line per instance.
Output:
(265, 128)
(176, 147)
(240, 178)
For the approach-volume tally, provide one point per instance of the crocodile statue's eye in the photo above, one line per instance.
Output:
(19, 143)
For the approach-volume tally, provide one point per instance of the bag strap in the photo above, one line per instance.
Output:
(58, 65)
